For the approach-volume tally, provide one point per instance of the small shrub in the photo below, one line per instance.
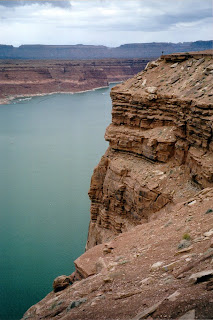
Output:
(186, 236)
(208, 211)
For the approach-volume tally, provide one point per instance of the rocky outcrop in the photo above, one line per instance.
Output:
(25, 78)
(149, 250)
(144, 273)
(160, 140)
(60, 283)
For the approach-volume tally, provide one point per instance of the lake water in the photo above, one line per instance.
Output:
(49, 148)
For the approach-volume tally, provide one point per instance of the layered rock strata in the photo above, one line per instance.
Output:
(160, 141)
(24, 77)
(150, 241)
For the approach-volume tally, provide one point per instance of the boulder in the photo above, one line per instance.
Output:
(151, 90)
(61, 282)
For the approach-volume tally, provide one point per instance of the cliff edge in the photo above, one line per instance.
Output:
(160, 141)
(150, 242)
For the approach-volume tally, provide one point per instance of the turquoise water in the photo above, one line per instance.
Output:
(49, 148)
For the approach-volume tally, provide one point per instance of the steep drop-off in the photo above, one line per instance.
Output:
(150, 241)
(24, 77)
(161, 123)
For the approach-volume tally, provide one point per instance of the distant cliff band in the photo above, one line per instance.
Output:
(32, 77)
(79, 51)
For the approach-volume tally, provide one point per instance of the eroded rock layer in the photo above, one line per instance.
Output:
(150, 241)
(25, 77)
(160, 141)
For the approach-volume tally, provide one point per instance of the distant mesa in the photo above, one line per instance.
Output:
(23, 77)
(82, 52)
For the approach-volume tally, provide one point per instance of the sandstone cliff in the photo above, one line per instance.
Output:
(150, 240)
(24, 77)
(160, 140)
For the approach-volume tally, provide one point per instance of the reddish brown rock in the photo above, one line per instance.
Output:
(157, 125)
(123, 285)
(61, 282)
(152, 187)
(32, 77)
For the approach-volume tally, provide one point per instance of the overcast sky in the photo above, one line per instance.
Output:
(105, 22)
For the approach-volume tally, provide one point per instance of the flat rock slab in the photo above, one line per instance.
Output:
(86, 263)
(190, 315)
(201, 276)
(148, 311)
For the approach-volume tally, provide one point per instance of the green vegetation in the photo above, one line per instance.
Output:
(186, 236)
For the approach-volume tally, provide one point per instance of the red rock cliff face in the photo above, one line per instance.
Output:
(155, 182)
(160, 144)
(20, 77)
(157, 174)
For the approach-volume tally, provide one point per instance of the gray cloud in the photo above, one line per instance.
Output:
(146, 15)
(17, 3)
(107, 22)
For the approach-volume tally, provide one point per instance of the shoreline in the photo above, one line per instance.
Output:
(6, 101)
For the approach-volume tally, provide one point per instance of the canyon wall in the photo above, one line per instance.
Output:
(150, 242)
(25, 77)
(80, 51)
(160, 138)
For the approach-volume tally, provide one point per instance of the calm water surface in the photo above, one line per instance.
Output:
(49, 148)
